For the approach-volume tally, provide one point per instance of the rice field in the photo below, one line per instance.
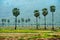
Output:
(28, 33)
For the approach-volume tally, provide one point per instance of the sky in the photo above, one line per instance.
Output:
(27, 8)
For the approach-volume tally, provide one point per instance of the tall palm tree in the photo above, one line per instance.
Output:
(22, 20)
(52, 9)
(15, 13)
(45, 12)
(36, 14)
(8, 21)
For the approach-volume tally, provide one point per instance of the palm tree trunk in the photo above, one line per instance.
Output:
(52, 21)
(2, 24)
(45, 22)
(8, 24)
(22, 24)
(36, 23)
(19, 24)
(39, 22)
(15, 22)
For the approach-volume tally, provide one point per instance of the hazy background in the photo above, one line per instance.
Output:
(27, 8)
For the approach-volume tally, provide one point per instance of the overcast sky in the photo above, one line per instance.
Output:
(27, 8)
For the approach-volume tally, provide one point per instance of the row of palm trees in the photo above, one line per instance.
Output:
(16, 12)
(4, 21)
(45, 12)
(22, 20)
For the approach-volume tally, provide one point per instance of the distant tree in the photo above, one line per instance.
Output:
(8, 21)
(52, 9)
(45, 12)
(28, 20)
(22, 20)
(36, 14)
(18, 22)
(2, 22)
(5, 21)
(15, 13)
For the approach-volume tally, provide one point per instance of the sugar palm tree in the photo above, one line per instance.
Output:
(18, 22)
(15, 13)
(52, 9)
(22, 20)
(2, 22)
(36, 14)
(8, 21)
(28, 20)
(45, 12)
(5, 21)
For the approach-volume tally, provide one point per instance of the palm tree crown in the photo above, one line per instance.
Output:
(16, 12)
(8, 20)
(36, 13)
(52, 8)
(26, 20)
(45, 12)
(22, 19)
(29, 19)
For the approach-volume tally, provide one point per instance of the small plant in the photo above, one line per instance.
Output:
(45, 35)
(36, 36)
(56, 36)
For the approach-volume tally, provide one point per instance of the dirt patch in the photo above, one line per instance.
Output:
(25, 36)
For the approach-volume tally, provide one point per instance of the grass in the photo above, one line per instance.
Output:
(44, 33)
(40, 33)
(24, 31)
(17, 31)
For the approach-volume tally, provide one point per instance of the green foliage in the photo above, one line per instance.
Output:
(2, 36)
(55, 36)
(15, 12)
(36, 13)
(45, 11)
(17, 31)
(52, 8)
(36, 37)
(45, 35)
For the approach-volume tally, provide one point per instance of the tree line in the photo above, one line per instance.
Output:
(16, 13)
